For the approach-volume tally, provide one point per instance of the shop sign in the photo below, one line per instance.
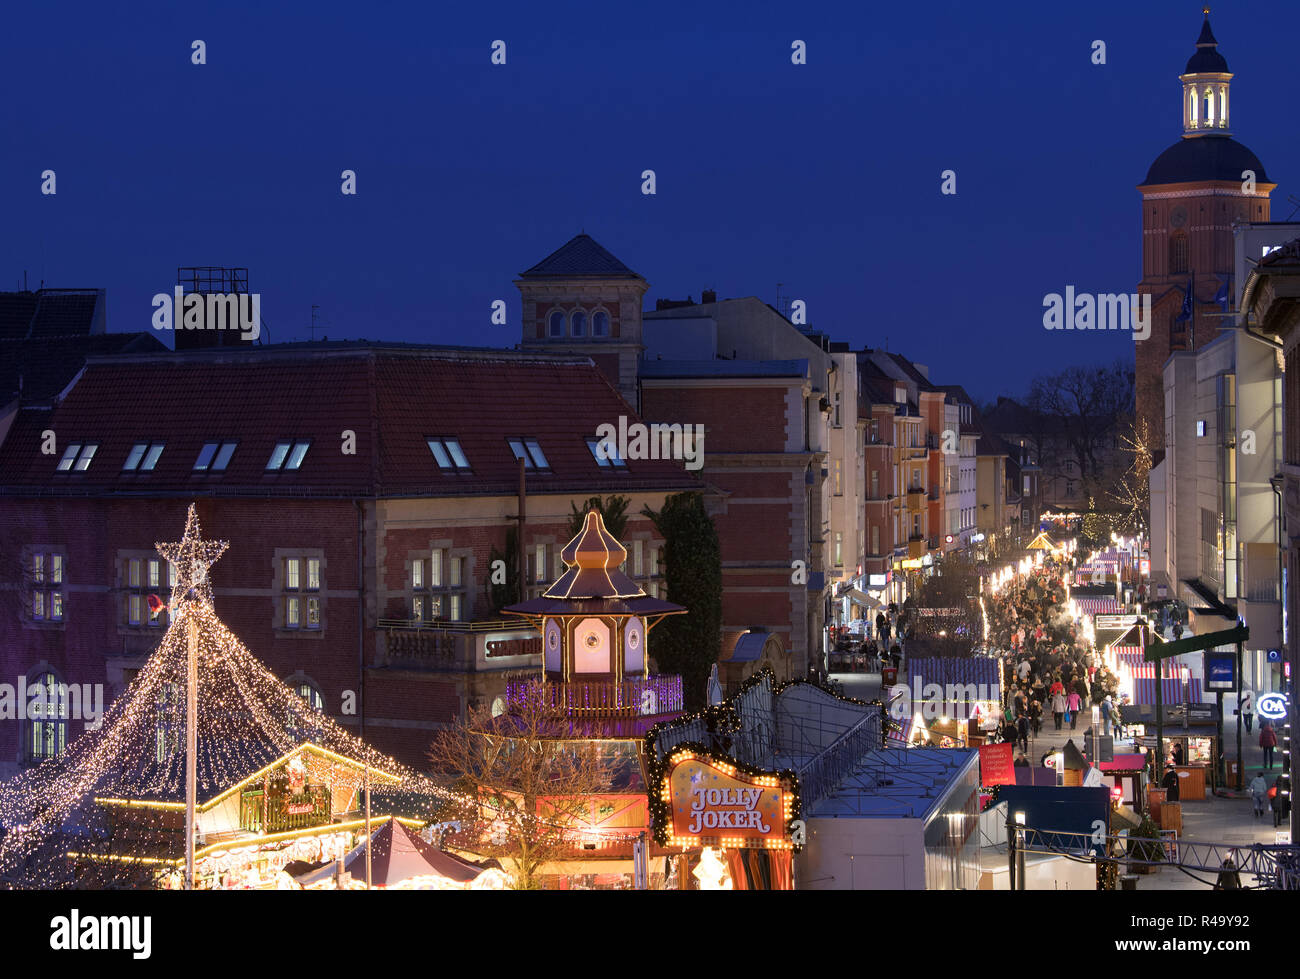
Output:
(300, 808)
(1272, 706)
(712, 802)
(877, 580)
(1220, 671)
(997, 766)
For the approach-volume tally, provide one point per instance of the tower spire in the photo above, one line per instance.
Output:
(1205, 86)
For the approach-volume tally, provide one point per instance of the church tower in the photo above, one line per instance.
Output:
(581, 299)
(1192, 195)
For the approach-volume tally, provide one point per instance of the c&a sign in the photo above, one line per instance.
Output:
(706, 800)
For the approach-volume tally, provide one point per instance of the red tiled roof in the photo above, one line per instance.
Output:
(393, 398)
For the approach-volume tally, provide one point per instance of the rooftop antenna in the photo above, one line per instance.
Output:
(314, 307)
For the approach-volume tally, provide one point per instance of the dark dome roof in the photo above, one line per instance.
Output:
(1206, 60)
(1204, 158)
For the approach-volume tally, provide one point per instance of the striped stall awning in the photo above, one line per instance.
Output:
(1144, 687)
(1130, 656)
(1090, 605)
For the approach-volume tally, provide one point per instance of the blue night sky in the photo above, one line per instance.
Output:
(823, 177)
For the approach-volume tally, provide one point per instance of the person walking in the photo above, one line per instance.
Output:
(1259, 794)
(1267, 741)
(1072, 704)
(1277, 800)
(1058, 707)
(1022, 731)
(1229, 878)
(1247, 708)
(1107, 706)
(1170, 784)
(1036, 715)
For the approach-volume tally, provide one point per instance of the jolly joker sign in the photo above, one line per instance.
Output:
(712, 800)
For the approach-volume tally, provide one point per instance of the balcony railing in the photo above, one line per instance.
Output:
(284, 811)
(639, 696)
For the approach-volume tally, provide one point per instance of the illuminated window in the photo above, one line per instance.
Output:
(448, 454)
(605, 452)
(47, 719)
(143, 457)
(77, 457)
(169, 721)
(144, 577)
(301, 585)
(46, 584)
(214, 456)
(530, 452)
(437, 587)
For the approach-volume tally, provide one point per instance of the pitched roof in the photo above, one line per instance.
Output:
(580, 256)
(43, 367)
(394, 398)
(50, 313)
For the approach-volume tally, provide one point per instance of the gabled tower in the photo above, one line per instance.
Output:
(580, 298)
(1192, 195)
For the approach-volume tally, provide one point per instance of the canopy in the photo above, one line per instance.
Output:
(398, 856)
(862, 598)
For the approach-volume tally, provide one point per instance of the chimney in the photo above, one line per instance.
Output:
(708, 296)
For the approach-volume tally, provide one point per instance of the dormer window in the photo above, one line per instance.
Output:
(448, 454)
(143, 457)
(530, 452)
(605, 452)
(214, 456)
(77, 457)
(287, 455)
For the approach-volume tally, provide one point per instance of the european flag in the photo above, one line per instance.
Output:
(1186, 314)
(1224, 296)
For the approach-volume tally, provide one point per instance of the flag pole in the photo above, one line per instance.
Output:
(191, 739)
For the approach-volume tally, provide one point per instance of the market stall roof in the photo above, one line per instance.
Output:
(399, 855)
(1124, 763)
(1043, 543)
(861, 598)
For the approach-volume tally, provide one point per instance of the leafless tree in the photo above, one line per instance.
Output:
(527, 778)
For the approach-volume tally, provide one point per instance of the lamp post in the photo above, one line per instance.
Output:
(1020, 850)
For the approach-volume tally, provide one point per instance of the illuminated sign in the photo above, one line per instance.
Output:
(877, 581)
(1220, 671)
(1272, 706)
(911, 564)
(977, 538)
(711, 802)
(514, 647)
(1145, 566)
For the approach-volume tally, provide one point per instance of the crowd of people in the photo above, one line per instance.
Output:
(1051, 667)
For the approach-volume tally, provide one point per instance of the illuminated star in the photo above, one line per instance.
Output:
(191, 556)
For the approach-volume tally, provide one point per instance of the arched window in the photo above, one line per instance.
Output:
(1177, 254)
(1209, 106)
(47, 718)
(309, 692)
(556, 321)
(306, 728)
(1193, 99)
(169, 721)
(578, 323)
(600, 323)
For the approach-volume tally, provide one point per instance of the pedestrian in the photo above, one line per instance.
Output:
(1247, 708)
(1021, 761)
(1267, 741)
(1277, 800)
(1022, 731)
(1229, 879)
(1022, 670)
(1072, 704)
(1058, 708)
(1107, 706)
(1259, 794)
(1177, 754)
(1170, 784)
(1036, 715)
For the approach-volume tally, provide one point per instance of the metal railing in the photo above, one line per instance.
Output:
(600, 698)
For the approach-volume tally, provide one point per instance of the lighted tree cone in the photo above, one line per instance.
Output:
(246, 719)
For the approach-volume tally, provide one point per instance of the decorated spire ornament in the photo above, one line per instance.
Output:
(192, 556)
